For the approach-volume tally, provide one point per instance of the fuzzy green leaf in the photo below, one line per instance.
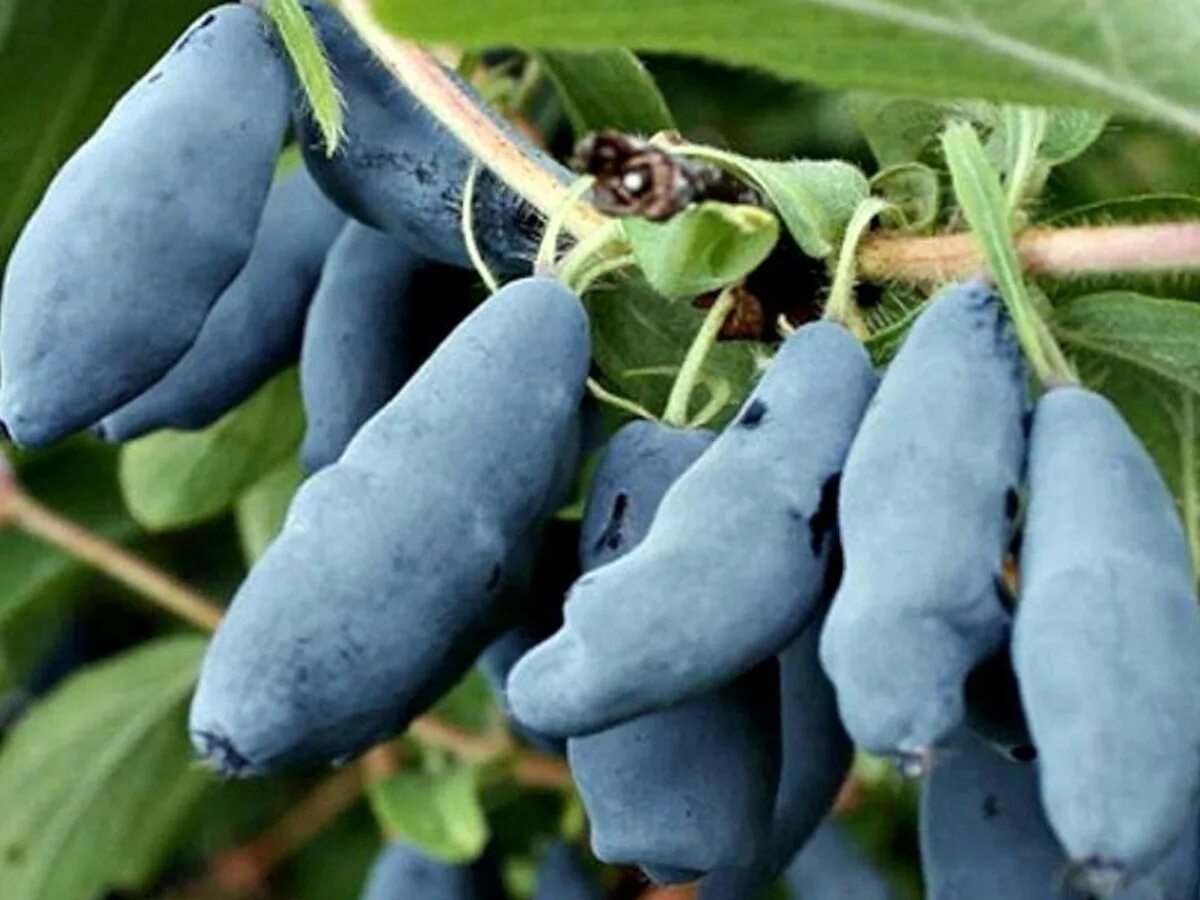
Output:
(1106, 54)
(1070, 132)
(439, 813)
(814, 198)
(98, 778)
(607, 89)
(914, 193)
(702, 249)
(312, 68)
(172, 479)
(977, 187)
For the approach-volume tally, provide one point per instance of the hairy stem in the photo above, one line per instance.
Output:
(841, 306)
(1058, 252)
(446, 100)
(679, 400)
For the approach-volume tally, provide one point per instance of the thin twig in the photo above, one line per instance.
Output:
(541, 770)
(27, 514)
(245, 869)
(466, 745)
(679, 400)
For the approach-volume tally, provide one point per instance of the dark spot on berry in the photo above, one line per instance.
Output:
(1012, 503)
(1026, 753)
(199, 26)
(14, 853)
(494, 577)
(991, 806)
(754, 414)
(154, 77)
(611, 537)
(824, 521)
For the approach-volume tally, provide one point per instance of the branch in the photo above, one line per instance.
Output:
(245, 870)
(1063, 252)
(459, 113)
(24, 512)
(675, 892)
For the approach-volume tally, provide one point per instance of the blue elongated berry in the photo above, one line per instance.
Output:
(562, 875)
(556, 567)
(1107, 639)
(639, 465)
(142, 229)
(355, 356)
(398, 170)
(926, 513)
(398, 564)
(983, 833)
(402, 873)
(253, 331)
(653, 798)
(816, 757)
(832, 867)
(734, 562)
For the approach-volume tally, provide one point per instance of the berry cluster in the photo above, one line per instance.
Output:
(926, 564)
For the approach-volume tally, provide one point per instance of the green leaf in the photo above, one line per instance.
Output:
(470, 704)
(914, 192)
(884, 343)
(1144, 354)
(607, 89)
(1105, 54)
(906, 129)
(639, 341)
(8, 12)
(707, 246)
(815, 198)
(1069, 132)
(176, 478)
(261, 510)
(439, 813)
(312, 68)
(977, 188)
(72, 59)
(903, 129)
(98, 778)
